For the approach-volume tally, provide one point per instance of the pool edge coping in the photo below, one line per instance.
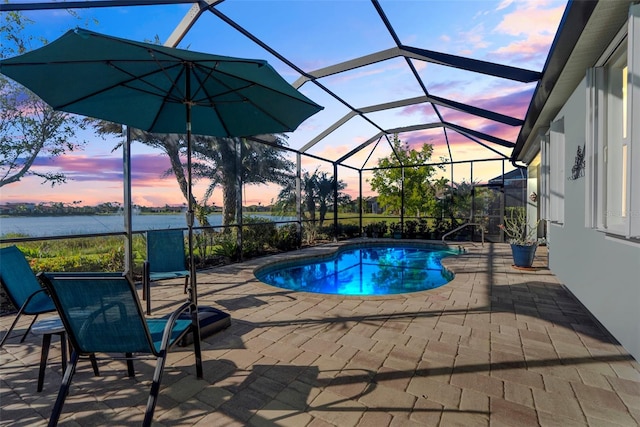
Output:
(328, 249)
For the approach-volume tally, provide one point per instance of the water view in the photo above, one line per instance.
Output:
(42, 226)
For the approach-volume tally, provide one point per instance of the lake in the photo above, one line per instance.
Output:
(41, 226)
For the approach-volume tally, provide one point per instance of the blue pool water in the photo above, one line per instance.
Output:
(368, 270)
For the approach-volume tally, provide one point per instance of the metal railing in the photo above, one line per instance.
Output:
(463, 226)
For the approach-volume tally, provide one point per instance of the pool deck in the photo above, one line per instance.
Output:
(496, 346)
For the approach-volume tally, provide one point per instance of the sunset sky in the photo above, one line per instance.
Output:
(314, 34)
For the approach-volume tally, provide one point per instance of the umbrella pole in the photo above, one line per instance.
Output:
(193, 293)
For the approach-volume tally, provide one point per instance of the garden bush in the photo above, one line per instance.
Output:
(287, 238)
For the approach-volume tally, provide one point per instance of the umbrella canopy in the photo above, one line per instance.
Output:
(162, 90)
(147, 86)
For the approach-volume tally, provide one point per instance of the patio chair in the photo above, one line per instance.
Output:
(102, 314)
(22, 288)
(166, 259)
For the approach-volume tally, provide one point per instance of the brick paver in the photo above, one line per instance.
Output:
(496, 346)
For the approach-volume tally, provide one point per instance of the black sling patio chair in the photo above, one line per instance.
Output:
(166, 259)
(102, 314)
(22, 288)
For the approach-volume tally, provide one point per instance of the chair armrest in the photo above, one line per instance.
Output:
(30, 297)
(166, 335)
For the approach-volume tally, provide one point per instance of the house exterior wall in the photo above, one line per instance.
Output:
(602, 272)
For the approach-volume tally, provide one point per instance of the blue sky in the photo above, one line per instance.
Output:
(314, 34)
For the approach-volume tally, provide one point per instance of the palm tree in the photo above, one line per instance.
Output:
(324, 187)
(259, 164)
(214, 159)
(172, 145)
(287, 197)
(317, 191)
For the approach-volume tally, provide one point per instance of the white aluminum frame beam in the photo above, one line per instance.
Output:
(189, 19)
(412, 101)
(467, 64)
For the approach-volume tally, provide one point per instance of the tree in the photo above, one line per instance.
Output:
(173, 145)
(29, 128)
(259, 164)
(317, 195)
(214, 159)
(387, 181)
(286, 201)
(325, 193)
(460, 201)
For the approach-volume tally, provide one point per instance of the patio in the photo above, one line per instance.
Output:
(495, 346)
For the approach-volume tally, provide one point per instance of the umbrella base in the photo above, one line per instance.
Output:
(211, 321)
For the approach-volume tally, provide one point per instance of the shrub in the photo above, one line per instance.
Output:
(258, 235)
(225, 245)
(348, 230)
(287, 238)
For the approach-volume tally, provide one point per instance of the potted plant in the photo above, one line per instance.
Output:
(522, 236)
(396, 230)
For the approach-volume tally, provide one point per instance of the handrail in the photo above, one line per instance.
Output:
(463, 226)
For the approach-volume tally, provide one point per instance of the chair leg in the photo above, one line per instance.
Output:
(195, 325)
(64, 390)
(155, 389)
(146, 286)
(44, 354)
(130, 370)
(145, 280)
(29, 328)
(92, 358)
(11, 327)
(63, 350)
(94, 365)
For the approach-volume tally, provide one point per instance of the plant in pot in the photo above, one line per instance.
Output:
(522, 236)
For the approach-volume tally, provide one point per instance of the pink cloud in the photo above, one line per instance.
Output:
(531, 18)
(534, 48)
(514, 104)
(534, 24)
(445, 87)
(144, 167)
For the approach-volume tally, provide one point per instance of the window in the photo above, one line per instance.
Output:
(613, 94)
(553, 173)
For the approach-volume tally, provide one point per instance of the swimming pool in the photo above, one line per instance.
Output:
(371, 269)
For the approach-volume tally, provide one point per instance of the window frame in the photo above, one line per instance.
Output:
(596, 208)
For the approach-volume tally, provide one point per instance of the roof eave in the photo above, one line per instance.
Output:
(585, 31)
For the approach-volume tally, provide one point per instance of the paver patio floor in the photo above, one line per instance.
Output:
(496, 346)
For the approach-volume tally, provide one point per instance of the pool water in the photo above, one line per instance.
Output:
(370, 270)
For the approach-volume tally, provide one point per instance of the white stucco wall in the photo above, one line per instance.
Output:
(603, 272)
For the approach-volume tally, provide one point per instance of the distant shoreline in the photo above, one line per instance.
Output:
(48, 214)
(63, 225)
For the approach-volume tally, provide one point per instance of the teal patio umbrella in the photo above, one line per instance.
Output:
(161, 90)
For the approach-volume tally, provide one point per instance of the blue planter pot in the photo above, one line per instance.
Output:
(523, 255)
